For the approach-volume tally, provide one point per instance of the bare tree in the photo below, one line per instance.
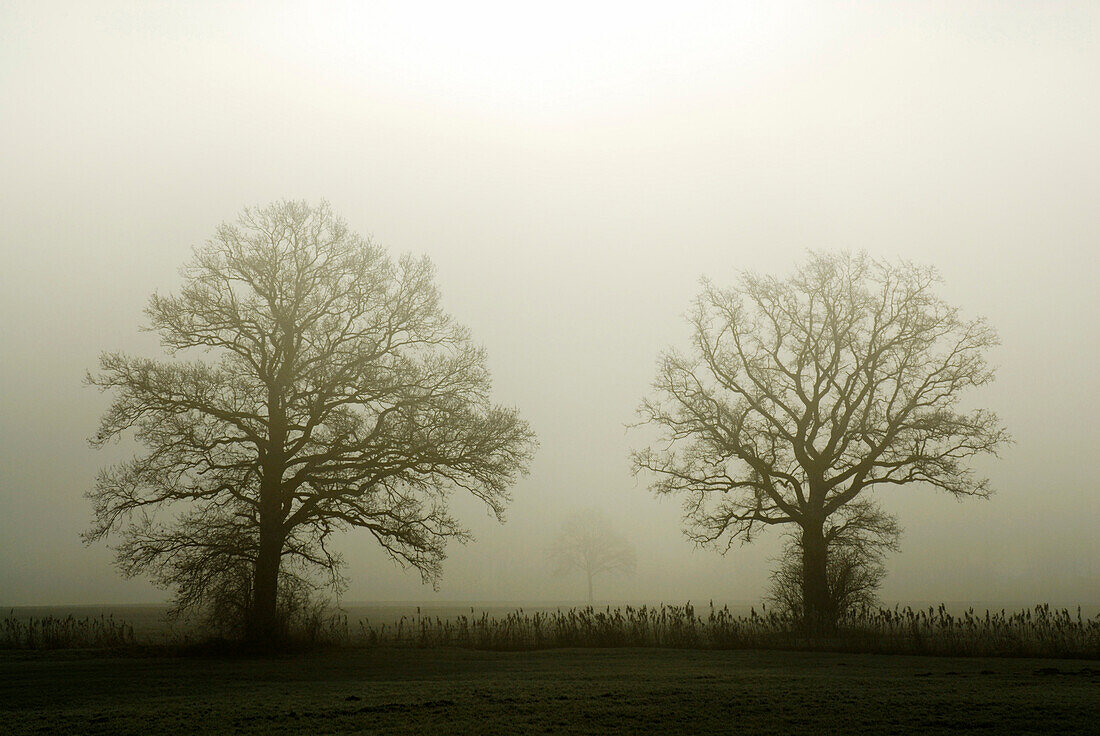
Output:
(342, 396)
(799, 396)
(588, 543)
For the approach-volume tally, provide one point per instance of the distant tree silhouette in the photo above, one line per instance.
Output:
(800, 396)
(588, 544)
(340, 396)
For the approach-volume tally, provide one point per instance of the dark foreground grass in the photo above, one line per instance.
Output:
(425, 691)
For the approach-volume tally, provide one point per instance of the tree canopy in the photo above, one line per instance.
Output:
(316, 386)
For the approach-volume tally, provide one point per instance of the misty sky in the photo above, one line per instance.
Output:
(572, 169)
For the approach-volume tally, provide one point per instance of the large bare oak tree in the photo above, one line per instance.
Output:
(334, 393)
(802, 395)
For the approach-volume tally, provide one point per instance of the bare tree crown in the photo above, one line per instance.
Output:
(800, 394)
(588, 543)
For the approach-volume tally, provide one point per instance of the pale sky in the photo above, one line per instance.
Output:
(572, 169)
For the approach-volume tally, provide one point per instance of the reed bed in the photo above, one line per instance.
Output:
(1036, 632)
(69, 632)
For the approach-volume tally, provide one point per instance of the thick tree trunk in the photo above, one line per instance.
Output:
(264, 625)
(816, 601)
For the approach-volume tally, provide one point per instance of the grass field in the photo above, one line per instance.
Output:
(417, 691)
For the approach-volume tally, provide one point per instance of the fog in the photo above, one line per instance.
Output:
(572, 170)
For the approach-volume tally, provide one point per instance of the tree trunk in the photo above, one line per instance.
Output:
(816, 601)
(589, 587)
(263, 623)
